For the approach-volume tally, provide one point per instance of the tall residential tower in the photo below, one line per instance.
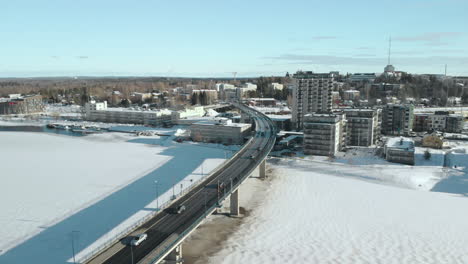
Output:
(311, 94)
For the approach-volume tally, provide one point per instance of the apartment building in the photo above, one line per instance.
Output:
(324, 134)
(397, 119)
(363, 126)
(443, 121)
(454, 123)
(312, 93)
(437, 120)
(421, 122)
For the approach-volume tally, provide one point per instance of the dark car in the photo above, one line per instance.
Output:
(176, 210)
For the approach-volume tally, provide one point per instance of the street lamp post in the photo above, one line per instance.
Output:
(131, 250)
(73, 244)
(157, 195)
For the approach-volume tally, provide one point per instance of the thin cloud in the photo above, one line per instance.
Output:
(344, 60)
(365, 55)
(324, 37)
(364, 48)
(431, 38)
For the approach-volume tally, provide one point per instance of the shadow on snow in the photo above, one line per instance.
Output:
(54, 244)
(457, 181)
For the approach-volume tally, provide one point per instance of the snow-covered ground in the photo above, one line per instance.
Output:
(319, 212)
(98, 185)
(358, 208)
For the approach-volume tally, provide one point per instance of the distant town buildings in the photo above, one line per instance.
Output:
(351, 95)
(397, 119)
(245, 89)
(276, 86)
(262, 101)
(220, 130)
(204, 96)
(362, 77)
(324, 134)
(17, 104)
(311, 94)
(443, 121)
(400, 150)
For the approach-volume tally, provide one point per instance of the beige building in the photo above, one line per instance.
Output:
(220, 130)
(324, 134)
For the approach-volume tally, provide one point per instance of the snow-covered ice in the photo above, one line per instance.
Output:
(97, 185)
(318, 211)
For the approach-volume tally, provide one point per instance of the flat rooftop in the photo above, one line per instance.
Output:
(400, 143)
(215, 123)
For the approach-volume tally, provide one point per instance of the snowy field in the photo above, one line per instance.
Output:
(93, 187)
(356, 210)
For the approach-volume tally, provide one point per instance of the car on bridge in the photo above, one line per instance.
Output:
(176, 210)
(138, 239)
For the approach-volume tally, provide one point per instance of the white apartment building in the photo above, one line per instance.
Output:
(244, 89)
(220, 130)
(437, 121)
(276, 86)
(312, 93)
(324, 134)
(99, 112)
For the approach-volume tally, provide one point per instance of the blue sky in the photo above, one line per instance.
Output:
(208, 38)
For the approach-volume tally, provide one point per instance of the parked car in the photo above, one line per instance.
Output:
(138, 239)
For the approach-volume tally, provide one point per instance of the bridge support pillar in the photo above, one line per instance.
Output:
(262, 169)
(235, 203)
(175, 256)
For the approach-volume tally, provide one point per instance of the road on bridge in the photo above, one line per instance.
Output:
(165, 226)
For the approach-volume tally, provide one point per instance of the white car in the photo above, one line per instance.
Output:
(138, 239)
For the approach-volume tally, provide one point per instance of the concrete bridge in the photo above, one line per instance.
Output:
(166, 231)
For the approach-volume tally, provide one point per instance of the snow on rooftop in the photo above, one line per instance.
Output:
(279, 117)
(400, 143)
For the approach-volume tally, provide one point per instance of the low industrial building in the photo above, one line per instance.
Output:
(400, 150)
(17, 104)
(282, 122)
(220, 130)
(324, 134)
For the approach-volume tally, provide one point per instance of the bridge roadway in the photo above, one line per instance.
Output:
(165, 226)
